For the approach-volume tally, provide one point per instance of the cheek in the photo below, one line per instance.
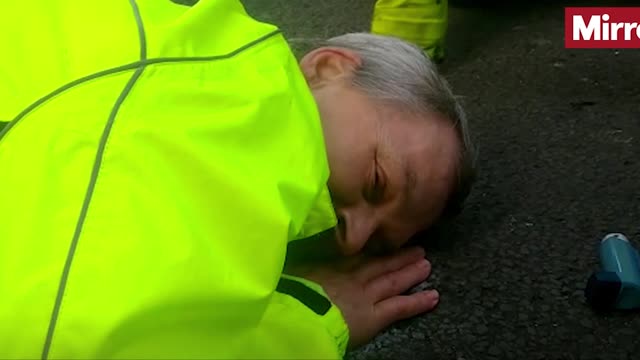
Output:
(348, 136)
(343, 152)
(337, 155)
(342, 182)
(347, 177)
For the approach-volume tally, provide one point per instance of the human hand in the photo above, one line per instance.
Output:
(370, 292)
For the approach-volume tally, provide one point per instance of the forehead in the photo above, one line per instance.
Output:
(422, 150)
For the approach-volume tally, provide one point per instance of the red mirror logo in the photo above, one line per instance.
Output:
(602, 27)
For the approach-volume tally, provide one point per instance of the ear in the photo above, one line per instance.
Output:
(328, 64)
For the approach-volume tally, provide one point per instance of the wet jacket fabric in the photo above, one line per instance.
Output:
(155, 161)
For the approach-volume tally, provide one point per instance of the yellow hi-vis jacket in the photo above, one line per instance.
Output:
(421, 22)
(158, 160)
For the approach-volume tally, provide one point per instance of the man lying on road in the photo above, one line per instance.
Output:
(160, 158)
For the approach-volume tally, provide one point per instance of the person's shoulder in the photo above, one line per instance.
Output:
(207, 29)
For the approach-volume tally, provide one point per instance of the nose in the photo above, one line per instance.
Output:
(355, 227)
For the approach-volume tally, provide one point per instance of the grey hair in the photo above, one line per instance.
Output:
(400, 73)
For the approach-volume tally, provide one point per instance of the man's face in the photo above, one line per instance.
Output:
(391, 170)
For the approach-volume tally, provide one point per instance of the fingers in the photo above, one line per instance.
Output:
(399, 281)
(406, 306)
(379, 267)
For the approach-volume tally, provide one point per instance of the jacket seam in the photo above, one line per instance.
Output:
(92, 182)
(130, 66)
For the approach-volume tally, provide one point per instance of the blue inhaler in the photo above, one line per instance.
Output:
(617, 285)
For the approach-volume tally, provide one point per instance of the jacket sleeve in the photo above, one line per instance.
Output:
(247, 187)
(298, 323)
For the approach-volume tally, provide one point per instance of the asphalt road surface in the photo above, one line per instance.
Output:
(559, 135)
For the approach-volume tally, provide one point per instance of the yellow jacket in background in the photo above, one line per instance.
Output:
(421, 22)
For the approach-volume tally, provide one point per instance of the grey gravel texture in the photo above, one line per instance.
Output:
(559, 138)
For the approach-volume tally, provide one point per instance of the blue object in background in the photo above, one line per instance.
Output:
(617, 285)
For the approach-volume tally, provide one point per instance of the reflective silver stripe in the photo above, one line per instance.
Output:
(139, 66)
(130, 66)
(92, 182)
